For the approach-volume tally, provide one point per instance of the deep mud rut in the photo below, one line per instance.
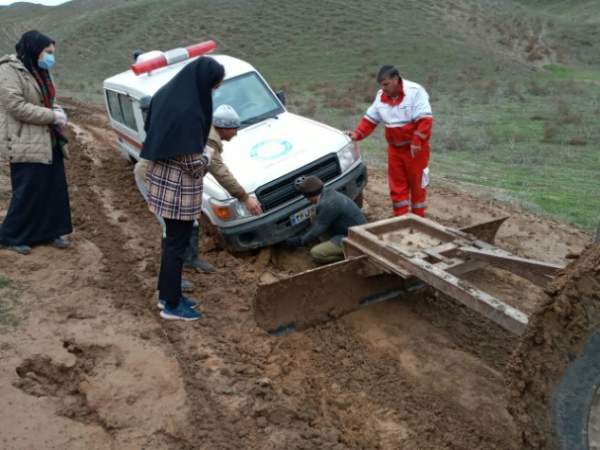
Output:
(86, 362)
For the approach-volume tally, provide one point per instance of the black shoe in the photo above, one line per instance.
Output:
(191, 260)
(186, 286)
(200, 265)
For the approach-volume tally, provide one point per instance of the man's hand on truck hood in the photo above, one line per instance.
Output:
(253, 206)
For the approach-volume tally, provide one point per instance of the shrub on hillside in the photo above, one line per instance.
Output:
(566, 115)
(363, 91)
(308, 109)
(551, 130)
(512, 90)
(341, 101)
(577, 140)
(536, 88)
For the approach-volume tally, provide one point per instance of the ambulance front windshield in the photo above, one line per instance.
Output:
(249, 96)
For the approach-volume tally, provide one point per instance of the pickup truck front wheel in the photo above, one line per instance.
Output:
(576, 405)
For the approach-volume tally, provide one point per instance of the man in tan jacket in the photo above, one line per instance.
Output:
(225, 126)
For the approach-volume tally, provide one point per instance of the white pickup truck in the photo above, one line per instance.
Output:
(273, 147)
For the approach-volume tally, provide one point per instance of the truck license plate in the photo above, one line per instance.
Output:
(302, 215)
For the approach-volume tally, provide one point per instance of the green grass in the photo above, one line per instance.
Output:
(581, 11)
(540, 150)
(4, 282)
(515, 85)
(560, 72)
(508, 145)
(10, 307)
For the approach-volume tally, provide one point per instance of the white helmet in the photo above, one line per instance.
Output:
(226, 117)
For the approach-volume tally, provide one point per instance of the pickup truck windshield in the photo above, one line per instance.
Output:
(249, 96)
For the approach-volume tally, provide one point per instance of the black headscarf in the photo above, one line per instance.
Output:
(180, 114)
(29, 48)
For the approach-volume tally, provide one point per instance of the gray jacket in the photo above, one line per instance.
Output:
(335, 213)
(24, 120)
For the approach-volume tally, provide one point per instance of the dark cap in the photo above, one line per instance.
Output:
(308, 186)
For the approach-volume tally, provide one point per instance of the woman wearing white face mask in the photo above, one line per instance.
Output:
(32, 141)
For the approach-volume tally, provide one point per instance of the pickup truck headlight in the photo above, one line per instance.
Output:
(348, 155)
(228, 209)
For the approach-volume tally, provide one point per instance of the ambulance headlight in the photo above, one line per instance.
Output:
(348, 155)
(227, 210)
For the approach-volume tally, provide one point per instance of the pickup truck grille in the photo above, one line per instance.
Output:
(282, 190)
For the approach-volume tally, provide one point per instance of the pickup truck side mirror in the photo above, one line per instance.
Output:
(281, 96)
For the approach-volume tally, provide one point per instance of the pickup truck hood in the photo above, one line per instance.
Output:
(274, 147)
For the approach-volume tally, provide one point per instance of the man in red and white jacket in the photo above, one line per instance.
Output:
(403, 107)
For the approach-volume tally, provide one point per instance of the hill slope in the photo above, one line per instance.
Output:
(515, 86)
(337, 38)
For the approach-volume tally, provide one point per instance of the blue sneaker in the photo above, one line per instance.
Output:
(180, 313)
(188, 303)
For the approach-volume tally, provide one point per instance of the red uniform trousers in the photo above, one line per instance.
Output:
(406, 179)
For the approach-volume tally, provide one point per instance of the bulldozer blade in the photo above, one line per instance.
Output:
(325, 293)
(485, 231)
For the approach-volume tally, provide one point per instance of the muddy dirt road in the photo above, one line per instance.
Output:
(86, 362)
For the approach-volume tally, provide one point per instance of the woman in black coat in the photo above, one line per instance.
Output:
(177, 128)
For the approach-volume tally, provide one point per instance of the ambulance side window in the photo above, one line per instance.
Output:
(114, 106)
(127, 108)
(121, 109)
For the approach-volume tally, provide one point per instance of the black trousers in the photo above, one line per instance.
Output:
(171, 260)
(39, 210)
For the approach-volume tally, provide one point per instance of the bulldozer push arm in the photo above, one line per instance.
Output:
(394, 257)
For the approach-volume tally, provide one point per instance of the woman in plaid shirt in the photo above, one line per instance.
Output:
(177, 129)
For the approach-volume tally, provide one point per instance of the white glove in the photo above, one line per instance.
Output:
(60, 117)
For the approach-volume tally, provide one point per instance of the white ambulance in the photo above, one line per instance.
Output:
(273, 147)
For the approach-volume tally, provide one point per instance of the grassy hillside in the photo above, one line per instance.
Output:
(515, 87)
(581, 11)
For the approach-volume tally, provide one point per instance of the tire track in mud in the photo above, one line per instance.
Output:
(223, 357)
(95, 177)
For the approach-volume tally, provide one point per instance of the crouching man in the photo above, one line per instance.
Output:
(335, 213)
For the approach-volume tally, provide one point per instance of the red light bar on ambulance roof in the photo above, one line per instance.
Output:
(173, 56)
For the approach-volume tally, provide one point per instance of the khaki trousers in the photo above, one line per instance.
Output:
(327, 252)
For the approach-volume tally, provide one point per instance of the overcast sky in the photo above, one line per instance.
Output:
(43, 2)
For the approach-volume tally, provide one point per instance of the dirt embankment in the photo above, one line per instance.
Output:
(558, 330)
(90, 365)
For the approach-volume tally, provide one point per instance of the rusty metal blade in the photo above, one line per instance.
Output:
(539, 273)
(322, 294)
(485, 231)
